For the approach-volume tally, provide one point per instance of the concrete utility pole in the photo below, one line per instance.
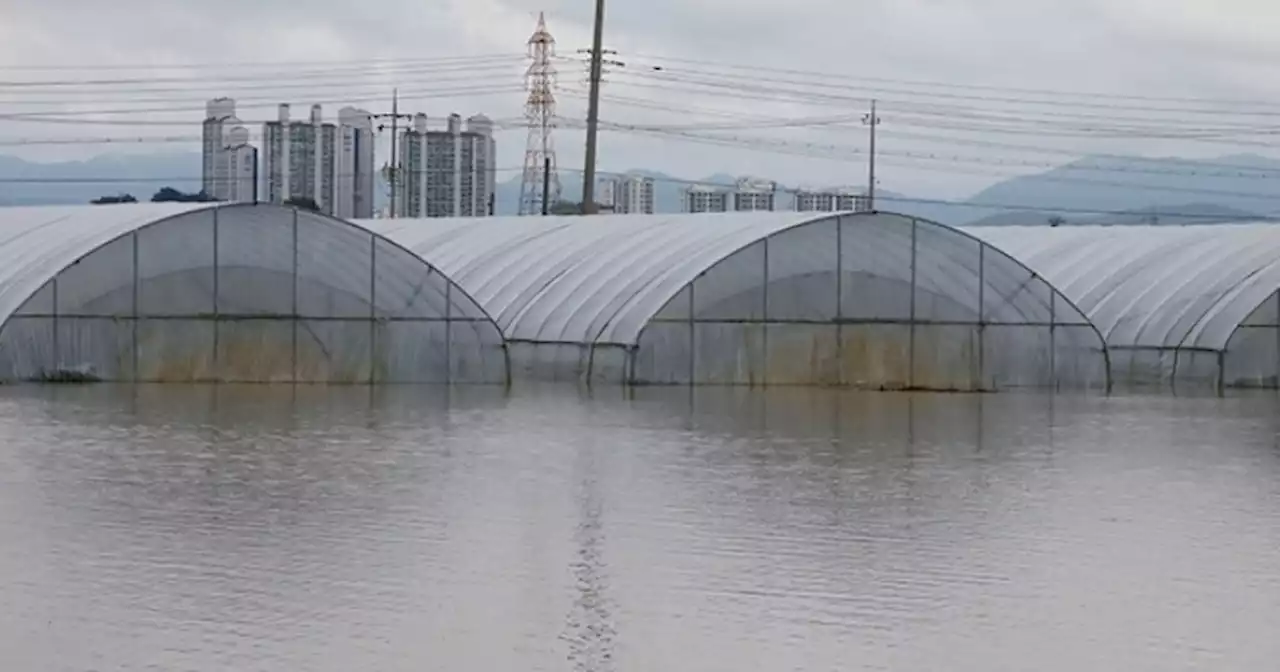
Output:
(593, 113)
(393, 168)
(872, 121)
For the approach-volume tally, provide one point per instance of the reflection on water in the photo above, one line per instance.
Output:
(401, 528)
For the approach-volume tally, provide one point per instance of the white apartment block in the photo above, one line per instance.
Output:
(752, 195)
(832, 200)
(240, 160)
(224, 154)
(746, 195)
(354, 186)
(630, 194)
(607, 195)
(447, 173)
(299, 159)
(706, 199)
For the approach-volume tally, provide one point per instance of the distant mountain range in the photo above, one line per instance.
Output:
(1113, 190)
(29, 183)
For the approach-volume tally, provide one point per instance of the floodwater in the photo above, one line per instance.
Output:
(261, 528)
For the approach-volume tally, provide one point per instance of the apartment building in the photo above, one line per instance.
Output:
(832, 200)
(447, 172)
(239, 164)
(354, 183)
(627, 194)
(750, 194)
(746, 195)
(225, 151)
(299, 159)
(700, 198)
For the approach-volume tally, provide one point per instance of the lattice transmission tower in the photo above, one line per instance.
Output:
(540, 111)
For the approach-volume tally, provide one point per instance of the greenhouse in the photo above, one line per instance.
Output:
(170, 292)
(1179, 306)
(761, 298)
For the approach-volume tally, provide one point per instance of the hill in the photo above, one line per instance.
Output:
(1166, 190)
(31, 183)
(1243, 183)
(1190, 213)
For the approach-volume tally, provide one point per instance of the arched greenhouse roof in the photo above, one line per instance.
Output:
(39, 242)
(1166, 287)
(601, 279)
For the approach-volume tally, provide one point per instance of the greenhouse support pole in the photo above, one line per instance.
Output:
(764, 326)
(373, 308)
(57, 341)
(840, 366)
(911, 340)
(134, 236)
(1222, 373)
(693, 337)
(982, 317)
(1053, 337)
(216, 289)
(448, 331)
(293, 301)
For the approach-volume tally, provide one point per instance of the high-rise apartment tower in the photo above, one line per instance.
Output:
(226, 154)
(449, 172)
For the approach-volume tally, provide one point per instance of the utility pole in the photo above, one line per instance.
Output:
(393, 169)
(546, 186)
(872, 121)
(593, 113)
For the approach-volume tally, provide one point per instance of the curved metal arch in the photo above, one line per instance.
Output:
(523, 268)
(1013, 262)
(132, 225)
(68, 250)
(1189, 280)
(601, 279)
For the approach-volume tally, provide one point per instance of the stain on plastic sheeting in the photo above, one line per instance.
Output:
(255, 360)
(946, 360)
(803, 356)
(729, 354)
(875, 357)
(175, 367)
(316, 364)
(243, 355)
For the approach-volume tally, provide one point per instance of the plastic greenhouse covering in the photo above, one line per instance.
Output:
(237, 293)
(871, 300)
(1189, 306)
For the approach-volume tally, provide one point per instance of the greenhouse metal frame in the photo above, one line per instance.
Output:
(229, 293)
(1184, 307)
(871, 300)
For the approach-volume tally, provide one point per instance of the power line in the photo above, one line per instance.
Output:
(501, 124)
(766, 85)
(775, 93)
(833, 77)
(846, 154)
(153, 179)
(212, 65)
(776, 122)
(76, 97)
(185, 105)
(1220, 137)
(77, 116)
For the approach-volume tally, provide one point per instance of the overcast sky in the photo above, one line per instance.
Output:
(1223, 50)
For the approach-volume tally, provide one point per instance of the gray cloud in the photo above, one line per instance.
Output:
(1165, 47)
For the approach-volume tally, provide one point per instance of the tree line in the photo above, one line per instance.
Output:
(171, 195)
